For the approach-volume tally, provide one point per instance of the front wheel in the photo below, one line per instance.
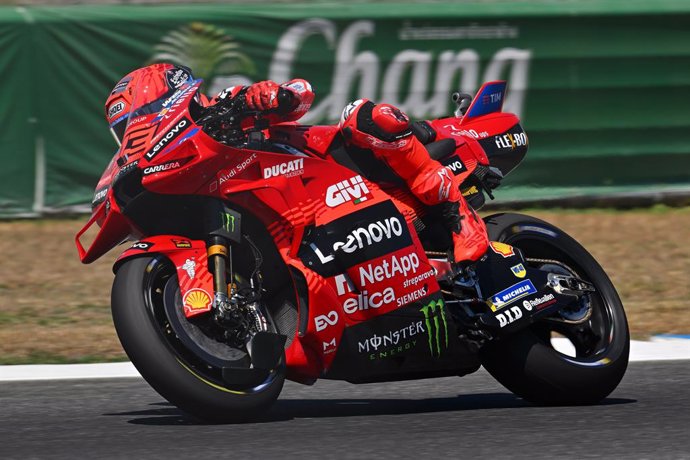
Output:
(180, 358)
(527, 362)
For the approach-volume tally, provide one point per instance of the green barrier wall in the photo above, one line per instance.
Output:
(603, 87)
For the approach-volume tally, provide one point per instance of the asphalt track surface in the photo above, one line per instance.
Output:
(647, 416)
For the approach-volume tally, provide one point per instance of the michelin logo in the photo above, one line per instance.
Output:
(511, 294)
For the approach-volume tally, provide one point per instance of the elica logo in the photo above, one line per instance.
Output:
(353, 189)
(364, 300)
(289, 169)
(372, 233)
(435, 320)
(511, 294)
(167, 138)
(511, 141)
(388, 268)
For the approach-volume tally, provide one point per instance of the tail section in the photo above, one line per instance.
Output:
(489, 99)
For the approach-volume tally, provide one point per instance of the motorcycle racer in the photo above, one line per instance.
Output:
(380, 128)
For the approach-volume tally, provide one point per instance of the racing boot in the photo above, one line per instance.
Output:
(470, 238)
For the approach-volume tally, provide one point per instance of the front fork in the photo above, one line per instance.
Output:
(220, 259)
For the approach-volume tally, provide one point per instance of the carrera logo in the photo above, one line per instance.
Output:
(168, 138)
(365, 301)
(353, 189)
(289, 169)
(514, 292)
(170, 165)
(116, 109)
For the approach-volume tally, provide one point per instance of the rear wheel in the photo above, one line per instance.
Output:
(596, 330)
(182, 359)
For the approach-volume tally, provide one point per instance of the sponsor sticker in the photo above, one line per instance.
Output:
(196, 299)
(329, 347)
(100, 195)
(511, 294)
(288, 169)
(539, 302)
(190, 267)
(502, 249)
(454, 165)
(177, 77)
(116, 109)
(436, 326)
(350, 190)
(509, 316)
(323, 321)
(168, 137)
(511, 141)
(518, 270)
(182, 244)
(390, 267)
(142, 245)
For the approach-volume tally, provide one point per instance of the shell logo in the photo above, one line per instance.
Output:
(196, 299)
(502, 249)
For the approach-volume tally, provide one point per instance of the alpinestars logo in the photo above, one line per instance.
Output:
(353, 189)
(434, 316)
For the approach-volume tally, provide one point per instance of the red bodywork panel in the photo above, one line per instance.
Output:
(290, 194)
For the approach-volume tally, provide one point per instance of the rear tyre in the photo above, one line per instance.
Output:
(526, 363)
(175, 356)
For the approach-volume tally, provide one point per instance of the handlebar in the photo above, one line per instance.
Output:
(223, 120)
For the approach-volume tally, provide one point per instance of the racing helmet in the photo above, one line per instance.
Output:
(142, 92)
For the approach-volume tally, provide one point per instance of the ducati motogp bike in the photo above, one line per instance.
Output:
(263, 252)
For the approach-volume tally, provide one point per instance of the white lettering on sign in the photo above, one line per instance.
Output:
(354, 64)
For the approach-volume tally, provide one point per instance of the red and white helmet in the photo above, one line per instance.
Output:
(142, 92)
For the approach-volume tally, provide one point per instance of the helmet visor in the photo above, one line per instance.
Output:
(118, 128)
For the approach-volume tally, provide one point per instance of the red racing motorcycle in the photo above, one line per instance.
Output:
(264, 252)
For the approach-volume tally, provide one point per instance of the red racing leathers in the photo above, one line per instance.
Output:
(386, 131)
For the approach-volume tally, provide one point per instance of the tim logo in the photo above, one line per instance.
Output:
(353, 189)
(491, 98)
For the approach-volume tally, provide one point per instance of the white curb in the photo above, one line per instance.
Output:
(661, 348)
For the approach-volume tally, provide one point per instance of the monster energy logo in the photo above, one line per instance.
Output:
(433, 315)
(228, 222)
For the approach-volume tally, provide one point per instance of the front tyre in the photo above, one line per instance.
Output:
(175, 356)
(526, 363)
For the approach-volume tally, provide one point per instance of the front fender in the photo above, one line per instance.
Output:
(191, 262)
